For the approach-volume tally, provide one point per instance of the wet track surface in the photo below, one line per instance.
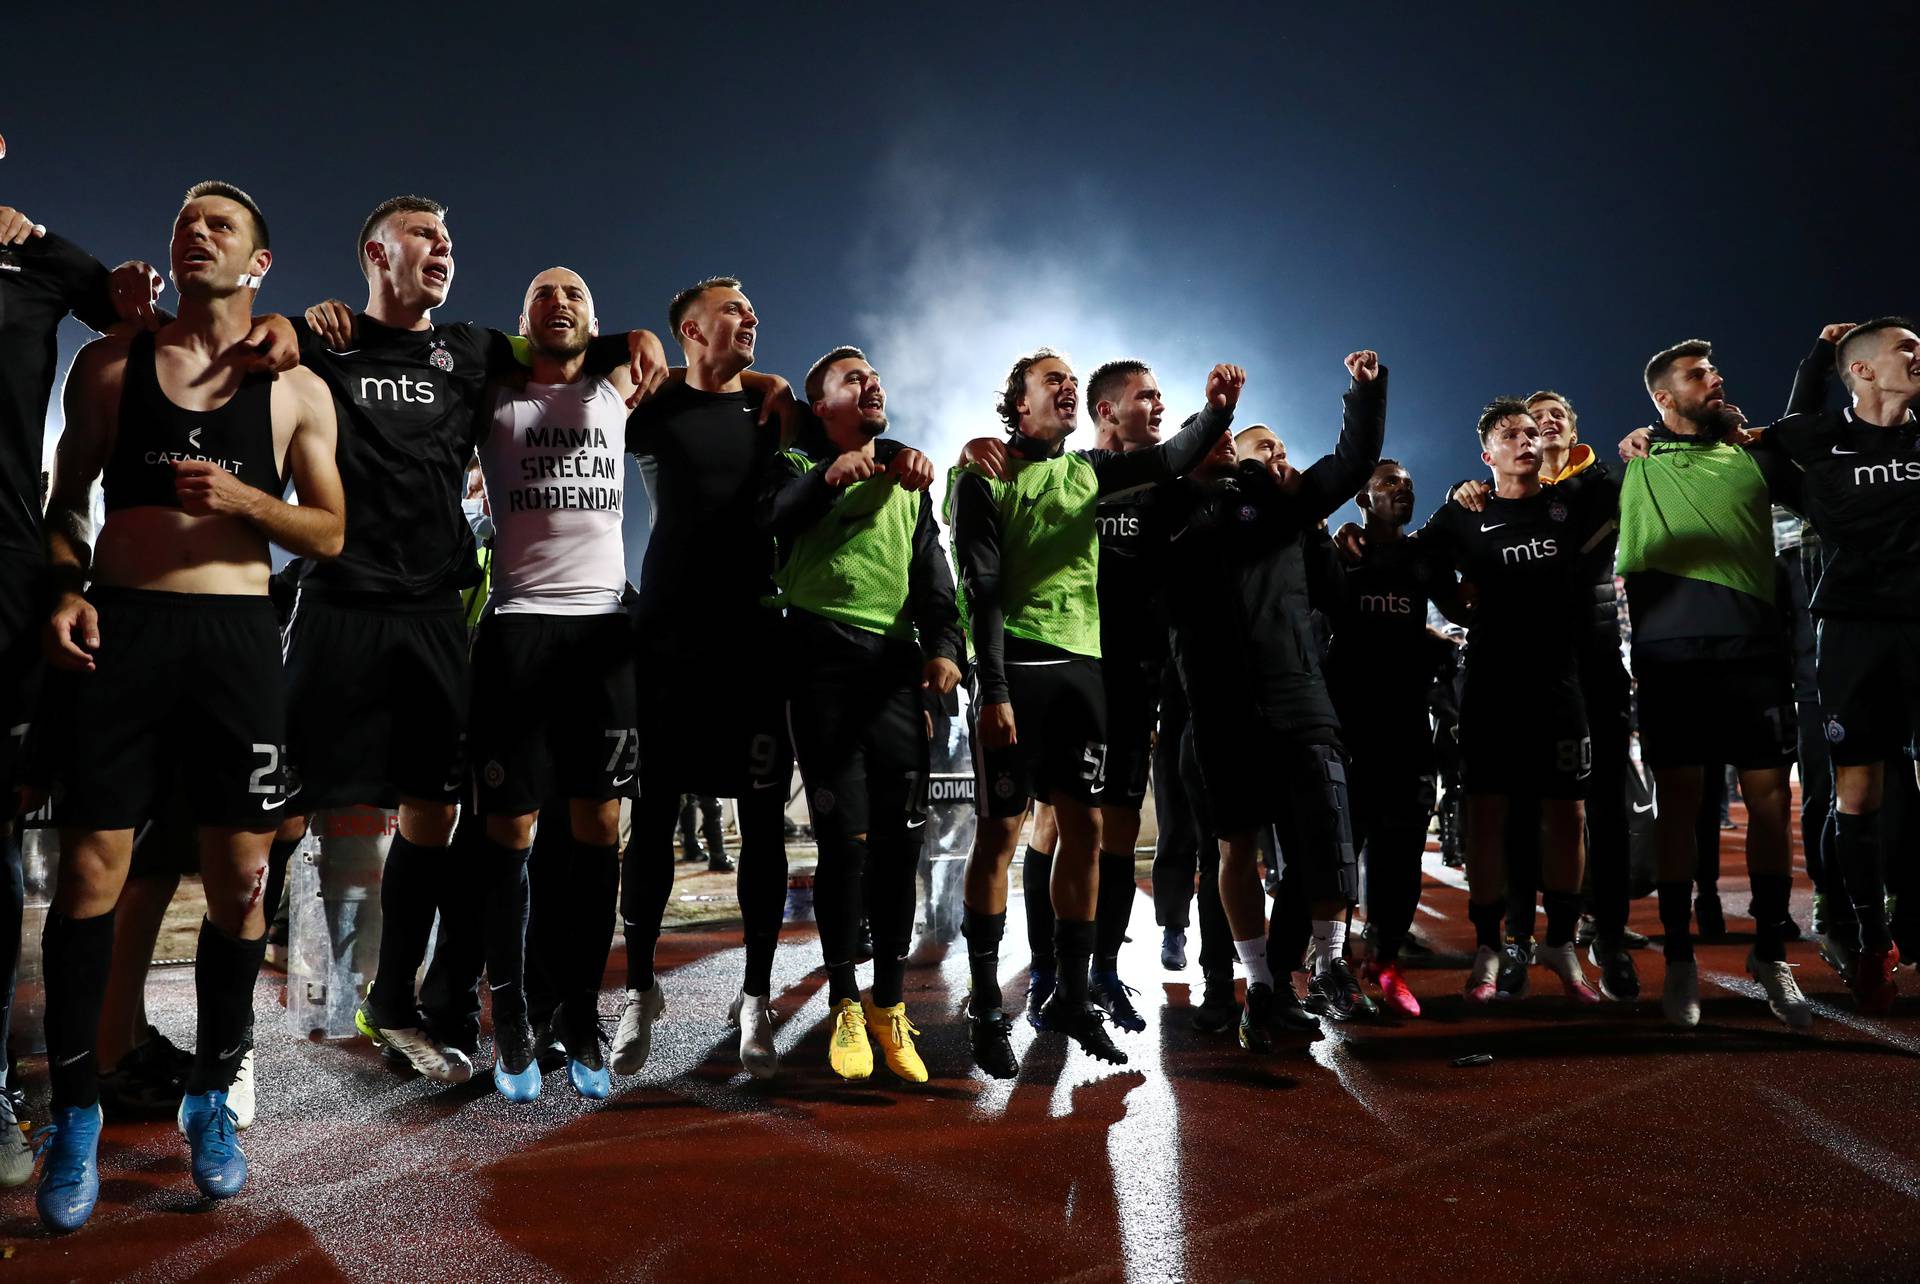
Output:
(1598, 1145)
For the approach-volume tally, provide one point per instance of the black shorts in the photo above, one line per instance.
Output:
(1869, 676)
(186, 693)
(1704, 713)
(1133, 711)
(1520, 741)
(168, 845)
(25, 604)
(860, 733)
(1060, 730)
(713, 715)
(1257, 775)
(1390, 789)
(553, 711)
(376, 699)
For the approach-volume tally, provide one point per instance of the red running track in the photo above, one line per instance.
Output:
(1598, 1145)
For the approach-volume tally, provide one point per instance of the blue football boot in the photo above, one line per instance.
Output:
(516, 1071)
(219, 1169)
(70, 1181)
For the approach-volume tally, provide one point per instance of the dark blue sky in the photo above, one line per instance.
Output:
(1497, 198)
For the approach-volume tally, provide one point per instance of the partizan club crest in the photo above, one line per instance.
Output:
(1557, 511)
(441, 358)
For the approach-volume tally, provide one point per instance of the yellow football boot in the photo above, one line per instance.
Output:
(894, 1033)
(848, 1051)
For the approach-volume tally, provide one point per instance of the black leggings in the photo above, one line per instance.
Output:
(861, 739)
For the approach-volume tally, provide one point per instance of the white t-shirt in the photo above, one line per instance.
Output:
(555, 484)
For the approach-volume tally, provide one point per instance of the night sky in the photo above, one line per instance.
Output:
(1496, 198)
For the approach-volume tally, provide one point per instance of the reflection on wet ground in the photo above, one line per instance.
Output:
(1597, 1144)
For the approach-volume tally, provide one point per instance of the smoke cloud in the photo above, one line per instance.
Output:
(955, 291)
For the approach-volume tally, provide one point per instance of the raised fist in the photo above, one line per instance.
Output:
(1364, 365)
(1223, 386)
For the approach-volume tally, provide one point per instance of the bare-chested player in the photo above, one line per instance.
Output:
(168, 652)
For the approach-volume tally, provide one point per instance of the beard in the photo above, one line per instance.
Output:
(561, 344)
(1712, 420)
(872, 426)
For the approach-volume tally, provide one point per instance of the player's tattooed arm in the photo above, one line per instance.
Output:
(90, 403)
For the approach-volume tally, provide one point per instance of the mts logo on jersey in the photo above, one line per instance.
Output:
(1120, 526)
(1533, 550)
(405, 390)
(1897, 470)
(1386, 604)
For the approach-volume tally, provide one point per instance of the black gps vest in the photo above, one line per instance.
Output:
(154, 432)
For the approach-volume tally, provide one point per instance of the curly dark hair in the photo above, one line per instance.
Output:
(1010, 397)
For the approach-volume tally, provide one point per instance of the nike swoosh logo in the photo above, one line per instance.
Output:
(234, 1051)
(1638, 809)
(623, 780)
(497, 988)
(764, 784)
(916, 824)
(1496, 526)
(269, 804)
(1838, 451)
